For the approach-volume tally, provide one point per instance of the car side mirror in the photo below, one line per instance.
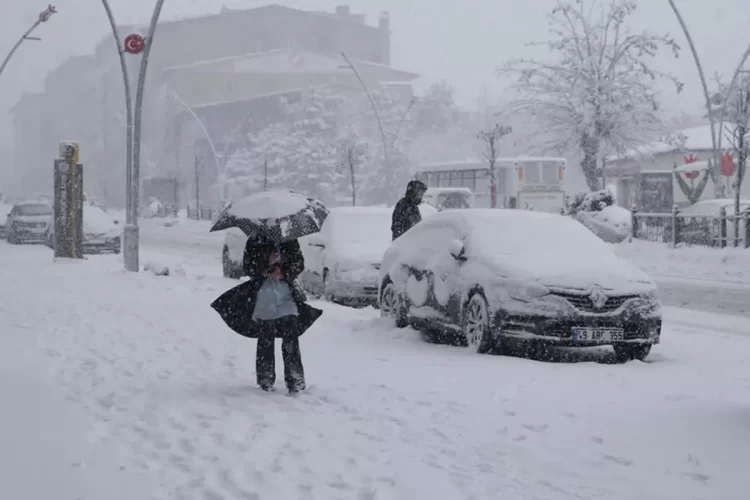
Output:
(457, 250)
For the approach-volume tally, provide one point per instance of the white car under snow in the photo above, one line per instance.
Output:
(493, 276)
(235, 240)
(342, 262)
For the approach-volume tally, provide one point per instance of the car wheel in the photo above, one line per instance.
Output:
(12, 239)
(630, 352)
(228, 267)
(476, 324)
(392, 305)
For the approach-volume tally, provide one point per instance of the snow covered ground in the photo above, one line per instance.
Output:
(387, 416)
(729, 265)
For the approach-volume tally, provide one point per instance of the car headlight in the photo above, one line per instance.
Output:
(527, 293)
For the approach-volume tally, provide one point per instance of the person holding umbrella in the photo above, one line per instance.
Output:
(269, 305)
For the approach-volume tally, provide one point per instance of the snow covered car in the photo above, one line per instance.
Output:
(494, 276)
(101, 234)
(27, 222)
(343, 260)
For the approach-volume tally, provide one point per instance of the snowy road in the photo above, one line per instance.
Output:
(200, 251)
(387, 416)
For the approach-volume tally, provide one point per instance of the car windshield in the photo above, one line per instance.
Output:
(35, 209)
(454, 200)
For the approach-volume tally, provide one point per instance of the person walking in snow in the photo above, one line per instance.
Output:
(269, 306)
(406, 212)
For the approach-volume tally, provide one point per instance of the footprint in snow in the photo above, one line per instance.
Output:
(620, 461)
(597, 440)
(536, 428)
(701, 478)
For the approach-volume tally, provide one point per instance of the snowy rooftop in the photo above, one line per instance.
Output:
(691, 139)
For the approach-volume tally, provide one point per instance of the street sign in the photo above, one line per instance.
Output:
(134, 44)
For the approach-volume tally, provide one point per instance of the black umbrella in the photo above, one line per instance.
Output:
(274, 215)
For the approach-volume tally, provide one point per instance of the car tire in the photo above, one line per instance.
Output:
(392, 305)
(631, 352)
(229, 269)
(475, 324)
(12, 240)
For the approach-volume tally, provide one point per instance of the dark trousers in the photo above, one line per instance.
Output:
(265, 356)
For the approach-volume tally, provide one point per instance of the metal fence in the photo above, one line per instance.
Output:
(724, 230)
(202, 213)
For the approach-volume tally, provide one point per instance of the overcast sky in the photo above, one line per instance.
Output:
(462, 41)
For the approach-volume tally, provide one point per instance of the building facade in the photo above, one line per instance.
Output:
(206, 75)
(645, 177)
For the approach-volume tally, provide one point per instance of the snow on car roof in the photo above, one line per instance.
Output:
(518, 229)
(449, 190)
(31, 202)
(361, 210)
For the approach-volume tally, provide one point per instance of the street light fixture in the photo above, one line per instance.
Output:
(43, 17)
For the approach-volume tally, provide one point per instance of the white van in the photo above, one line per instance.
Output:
(443, 198)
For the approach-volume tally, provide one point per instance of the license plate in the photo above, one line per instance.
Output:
(598, 334)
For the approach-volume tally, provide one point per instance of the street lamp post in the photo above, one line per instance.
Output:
(42, 18)
(134, 44)
(217, 160)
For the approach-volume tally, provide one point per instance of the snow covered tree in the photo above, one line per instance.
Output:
(352, 156)
(386, 179)
(736, 109)
(600, 92)
(490, 141)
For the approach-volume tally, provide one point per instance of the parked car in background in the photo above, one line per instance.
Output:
(101, 234)
(27, 222)
(444, 198)
(343, 260)
(493, 277)
(234, 242)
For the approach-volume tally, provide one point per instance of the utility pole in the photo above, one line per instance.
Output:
(42, 18)
(197, 187)
(265, 175)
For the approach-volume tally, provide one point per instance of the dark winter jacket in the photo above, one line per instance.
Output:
(236, 306)
(406, 212)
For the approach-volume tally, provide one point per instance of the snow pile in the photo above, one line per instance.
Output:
(168, 382)
(159, 269)
(659, 260)
(154, 209)
(597, 211)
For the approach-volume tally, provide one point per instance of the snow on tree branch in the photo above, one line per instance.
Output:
(600, 91)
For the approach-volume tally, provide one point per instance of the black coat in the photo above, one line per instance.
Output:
(406, 212)
(236, 305)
